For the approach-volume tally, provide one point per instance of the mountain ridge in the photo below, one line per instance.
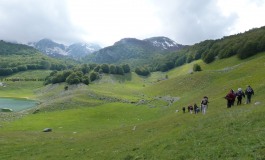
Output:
(131, 49)
(53, 49)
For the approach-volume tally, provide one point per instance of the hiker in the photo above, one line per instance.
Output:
(234, 97)
(230, 97)
(249, 92)
(183, 109)
(196, 108)
(204, 104)
(239, 94)
(190, 108)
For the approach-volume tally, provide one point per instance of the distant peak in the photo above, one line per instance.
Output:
(127, 41)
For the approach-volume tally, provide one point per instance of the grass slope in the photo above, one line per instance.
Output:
(135, 117)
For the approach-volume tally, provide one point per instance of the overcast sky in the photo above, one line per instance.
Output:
(107, 21)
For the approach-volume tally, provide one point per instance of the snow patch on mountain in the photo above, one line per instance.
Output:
(164, 43)
(76, 50)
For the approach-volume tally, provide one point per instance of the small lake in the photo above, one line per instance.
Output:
(17, 104)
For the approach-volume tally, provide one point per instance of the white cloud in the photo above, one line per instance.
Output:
(31, 20)
(107, 21)
(250, 13)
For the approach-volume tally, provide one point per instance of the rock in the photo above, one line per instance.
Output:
(6, 110)
(47, 130)
(134, 128)
(36, 111)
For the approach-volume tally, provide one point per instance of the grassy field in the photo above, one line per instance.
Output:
(135, 117)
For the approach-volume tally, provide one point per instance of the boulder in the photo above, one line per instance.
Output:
(6, 110)
(47, 130)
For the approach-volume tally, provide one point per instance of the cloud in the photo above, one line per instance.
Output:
(31, 20)
(107, 21)
(189, 21)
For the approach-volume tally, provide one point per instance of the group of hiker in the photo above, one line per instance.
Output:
(232, 96)
(203, 107)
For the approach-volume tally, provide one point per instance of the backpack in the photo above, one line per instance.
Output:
(204, 101)
(249, 90)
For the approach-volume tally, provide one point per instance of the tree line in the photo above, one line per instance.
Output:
(242, 45)
(85, 73)
(42, 65)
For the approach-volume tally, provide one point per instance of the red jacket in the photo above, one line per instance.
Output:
(230, 96)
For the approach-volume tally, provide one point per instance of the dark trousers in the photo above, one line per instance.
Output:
(248, 98)
(239, 100)
(229, 103)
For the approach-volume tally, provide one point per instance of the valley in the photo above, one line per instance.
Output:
(139, 117)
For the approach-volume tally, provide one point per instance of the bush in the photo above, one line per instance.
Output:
(196, 68)
(126, 68)
(73, 78)
(5, 71)
(22, 68)
(94, 76)
(85, 80)
(120, 70)
(105, 68)
(113, 69)
(142, 71)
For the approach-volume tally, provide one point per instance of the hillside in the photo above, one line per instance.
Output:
(133, 117)
(134, 51)
(18, 58)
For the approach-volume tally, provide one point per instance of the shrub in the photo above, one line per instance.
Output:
(105, 68)
(85, 80)
(94, 76)
(126, 68)
(73, 78)
(142, 71)
(196, 67)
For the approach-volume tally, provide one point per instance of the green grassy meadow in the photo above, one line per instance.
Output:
(132, 117)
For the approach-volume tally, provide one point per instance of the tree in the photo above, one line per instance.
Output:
(22, 68)
(180, 61)
(196, 67)
(73, 78)
(208, 57)
(119, 70)
(45, 64)
(85, 80)
(126, 68)
(113, 69)
(189, 58)
(249, 49)
(85, 68)
(105, 68)
(142, 71)
(97, 68)
(94, 76)
(5, 71)
(58, 78)
(66, 74)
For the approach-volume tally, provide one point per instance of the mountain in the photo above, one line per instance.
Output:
(164, 43)
(75, 51)
(16, 58)
(8, 48)
(130, 50)
(50, 48)
(79, 50)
